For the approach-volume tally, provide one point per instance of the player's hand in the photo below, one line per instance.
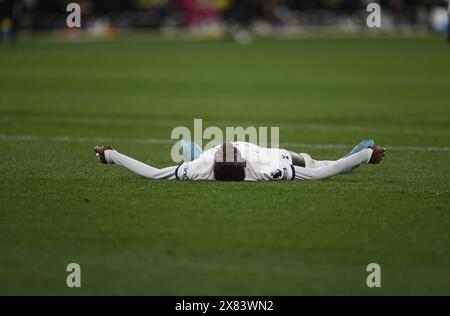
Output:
(377, 154)
(100, 153)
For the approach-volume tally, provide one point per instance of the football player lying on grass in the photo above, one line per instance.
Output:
(242, 161)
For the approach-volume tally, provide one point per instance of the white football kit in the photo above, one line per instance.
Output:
(262, 164)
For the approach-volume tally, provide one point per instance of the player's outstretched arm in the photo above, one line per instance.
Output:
(372, 155)
(107, 154)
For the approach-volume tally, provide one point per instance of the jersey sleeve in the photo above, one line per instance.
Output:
(198, 169)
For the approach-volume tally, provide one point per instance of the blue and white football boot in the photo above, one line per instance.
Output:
(366, 143)
(190, 150)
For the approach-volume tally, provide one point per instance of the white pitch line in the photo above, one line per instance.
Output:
(110, 140)
(171, 123)
(393, 148)
(83, 139)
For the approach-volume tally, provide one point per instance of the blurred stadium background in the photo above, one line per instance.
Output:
(240, 19)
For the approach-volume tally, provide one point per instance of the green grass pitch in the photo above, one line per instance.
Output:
(133, 236)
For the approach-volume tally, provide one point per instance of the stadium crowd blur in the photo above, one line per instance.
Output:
(212, 16)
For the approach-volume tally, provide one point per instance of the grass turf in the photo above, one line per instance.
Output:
(132, 236)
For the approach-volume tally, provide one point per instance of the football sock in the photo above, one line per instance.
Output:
(334, 167)
(311, 163)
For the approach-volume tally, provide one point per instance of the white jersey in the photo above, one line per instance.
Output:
(262, 164)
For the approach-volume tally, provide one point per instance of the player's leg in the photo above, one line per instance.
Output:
(112, 156)
(306, 161)
(368, 155)
(297, 159)
(365, 143)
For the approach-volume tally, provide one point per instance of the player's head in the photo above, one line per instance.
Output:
(229, 164)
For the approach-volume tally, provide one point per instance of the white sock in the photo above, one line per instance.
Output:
(333, 168)
(311, 163)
